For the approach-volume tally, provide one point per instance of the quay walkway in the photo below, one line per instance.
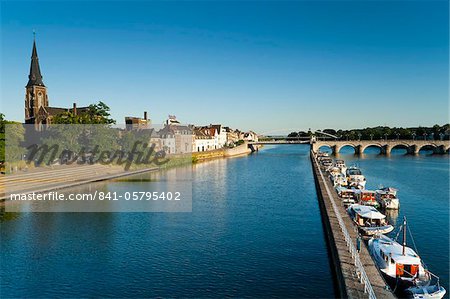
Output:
(356, 273)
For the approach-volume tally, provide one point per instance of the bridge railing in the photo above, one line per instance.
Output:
(349, 241)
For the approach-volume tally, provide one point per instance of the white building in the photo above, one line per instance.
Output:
(221, 135)
(206, 139)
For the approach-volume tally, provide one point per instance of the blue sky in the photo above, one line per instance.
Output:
(267, 66)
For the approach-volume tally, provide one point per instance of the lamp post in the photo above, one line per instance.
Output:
(371, 136)
(359, 136)
(385, 136)
(414, 135)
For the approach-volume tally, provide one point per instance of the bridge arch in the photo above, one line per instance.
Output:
(428, 146)
(377, 145)
(340, 146)
(321, 147)
(402, 145)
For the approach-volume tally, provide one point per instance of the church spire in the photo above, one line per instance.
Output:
(35, 77)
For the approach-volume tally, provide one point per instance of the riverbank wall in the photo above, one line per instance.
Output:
(240, 150)
(356, 275)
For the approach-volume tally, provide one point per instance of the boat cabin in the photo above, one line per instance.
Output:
(366, 196)
(334, 170)
(340, 163)
(383, 194)
(345, 193)
(326, 161)
(366, 216)
(405, 265)
(352, 171)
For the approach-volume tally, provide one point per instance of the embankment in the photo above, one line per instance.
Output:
(240, 150)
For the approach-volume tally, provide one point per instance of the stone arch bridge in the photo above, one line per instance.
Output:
(412, 146)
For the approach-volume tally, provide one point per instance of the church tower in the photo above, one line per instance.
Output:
(36, 98)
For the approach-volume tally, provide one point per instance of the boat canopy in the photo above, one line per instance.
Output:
(395, 251)
(367, 212)
(389, 189)
(354, 171)
(343, 189)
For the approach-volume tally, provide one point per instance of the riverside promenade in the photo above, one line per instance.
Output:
(59, 177)
(356, 273)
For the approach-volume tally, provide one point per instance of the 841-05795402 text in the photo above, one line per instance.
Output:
(103, 196)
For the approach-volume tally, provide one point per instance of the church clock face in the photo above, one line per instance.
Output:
(40, 98)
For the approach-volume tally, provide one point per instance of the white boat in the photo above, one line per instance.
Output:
(387, 198)
(369, 221)
(326, 161)
(334, 170)
(346, 195)
(355, 178)
(426, 292)
(341, 164)
(403, 268)
(338, 179)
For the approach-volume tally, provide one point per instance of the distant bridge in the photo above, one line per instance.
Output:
(412, 146)
(281, 141)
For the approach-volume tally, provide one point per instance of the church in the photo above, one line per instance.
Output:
(37, 109)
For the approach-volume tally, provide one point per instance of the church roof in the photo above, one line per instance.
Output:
(35, 77)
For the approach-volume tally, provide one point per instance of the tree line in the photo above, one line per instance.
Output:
(435, 132)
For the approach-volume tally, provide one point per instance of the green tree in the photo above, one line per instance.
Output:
(95, 114)
(12, 135)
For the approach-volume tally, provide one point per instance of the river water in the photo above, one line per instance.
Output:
(254, 231)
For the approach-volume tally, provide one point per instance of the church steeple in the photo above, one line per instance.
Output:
(35, 77)
(36, 98)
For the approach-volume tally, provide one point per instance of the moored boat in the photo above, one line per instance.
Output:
(369, 220)
(333, 170)
(387, 198)
(338, 179)
(355, 177)
(326, 161)
(403, 268)
(341, 164)
(346, 195)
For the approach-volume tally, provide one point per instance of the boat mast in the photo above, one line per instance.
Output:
(404, 235)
